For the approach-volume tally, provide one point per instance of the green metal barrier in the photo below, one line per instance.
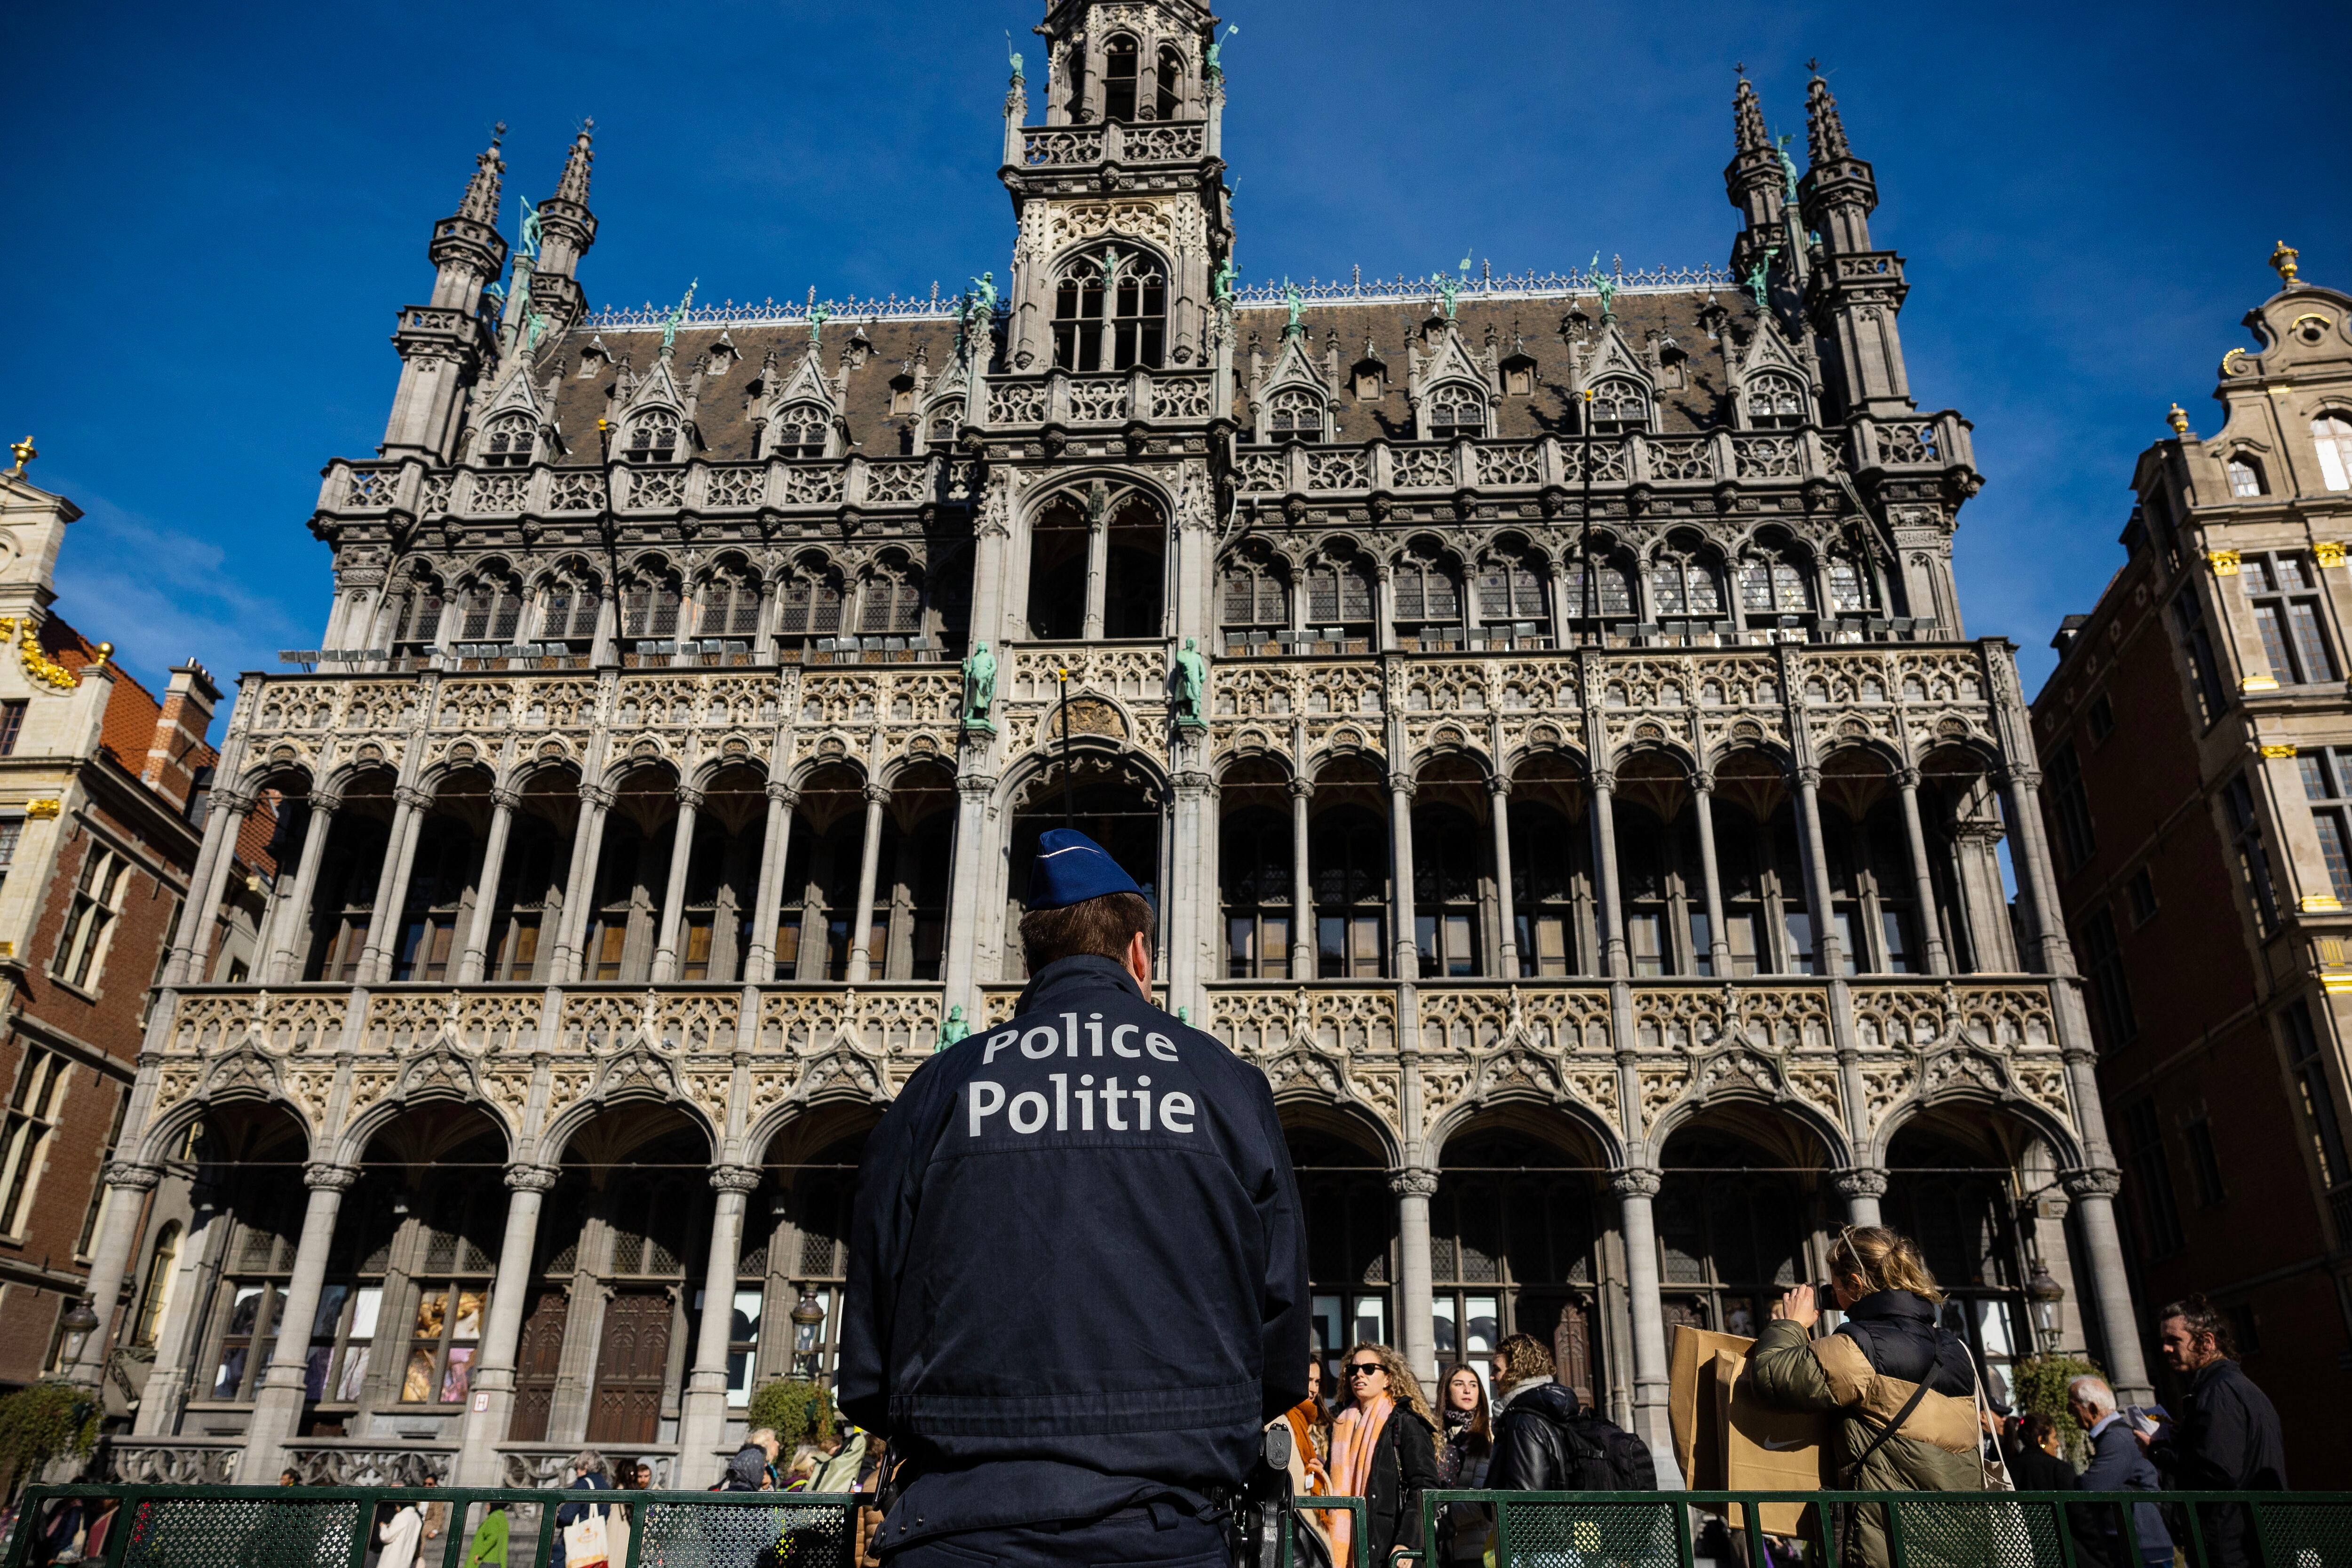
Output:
(1923, 1530)
(1351, 1506)
(333, 1527)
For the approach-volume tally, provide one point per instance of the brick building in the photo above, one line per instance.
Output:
(1539, 706)
(103, 787)
(2197, 743)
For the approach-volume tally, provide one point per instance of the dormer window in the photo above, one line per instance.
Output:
(1619, 407)
(1120, 66)
(1457, 413)
(1293, 414)
(508, 442)
(1133, 332)
(1519, 378)
(902, 394)
(1775, 402)
(653, 438)
(2245, 477)
(1371, 382)
(801, 431)
(946, 420)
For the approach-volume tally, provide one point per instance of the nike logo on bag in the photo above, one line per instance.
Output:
(1782, 1446)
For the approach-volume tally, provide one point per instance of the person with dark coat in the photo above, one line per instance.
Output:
(2117, 1464)
(1078, 1277)
(587, 1475)
(1533, 1410)
(1384, 1449)
(2227, 1436)
(2030, 1449)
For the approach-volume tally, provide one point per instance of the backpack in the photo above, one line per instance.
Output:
(1605, 1456)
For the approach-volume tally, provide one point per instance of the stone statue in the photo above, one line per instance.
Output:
(956, 1029)
(671, 322)
(979, 685)
(1217, 49)
(1191, 685)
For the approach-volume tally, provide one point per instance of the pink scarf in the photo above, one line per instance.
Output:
(1354, 1436)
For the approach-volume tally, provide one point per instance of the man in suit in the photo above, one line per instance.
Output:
(2117, 1464)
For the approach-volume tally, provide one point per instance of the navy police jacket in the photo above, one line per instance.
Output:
(1078, 1268)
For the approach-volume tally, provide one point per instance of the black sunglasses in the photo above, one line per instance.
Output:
(1363, 1369)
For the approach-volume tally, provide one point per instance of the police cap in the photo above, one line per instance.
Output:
(1071, 868)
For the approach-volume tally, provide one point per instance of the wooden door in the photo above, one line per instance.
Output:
(632, 1364)
(542, 1353)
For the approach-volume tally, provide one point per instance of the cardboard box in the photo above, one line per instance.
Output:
(1766, 1449)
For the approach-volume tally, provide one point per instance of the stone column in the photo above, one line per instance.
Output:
(760, 963)
(1636, 1187)
(702, 1413)
(485, 1423)
(1416, 1329)
(1862, 1186)
(681, 852)
(1302, 885)
(1719, 941)
(2053, 953)
(2094, 1192)
(1611, 913)
(1498, 805)
(1405, 947)
(580, 887)
(287, 944)
(1098, 577)
(967, 895)
(869, 866)
(127, 1186)
(1923, 884)
(208, 886)
(278, 1405)
(1817, 873)
(1193, 916)
(391, 886)
(503, 803)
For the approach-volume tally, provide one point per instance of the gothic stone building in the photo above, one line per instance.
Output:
(1585, 809)
(2199, 749)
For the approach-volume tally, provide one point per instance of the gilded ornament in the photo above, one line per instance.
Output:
(2321, 904)
(25, 452)
(2282, 261)
(37, 665)
(43, 810)
(2178, 420)
(2223, 561)
(2327, 553)
(2276, 752)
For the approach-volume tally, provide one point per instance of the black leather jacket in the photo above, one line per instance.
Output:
(1530, 1449)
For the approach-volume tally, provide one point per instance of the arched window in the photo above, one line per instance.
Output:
(1606, 593)
(2245, 477)
(1338, 593)
(568, 608)
(1347, 862)
(418, 622)
(653, 438)
(2332, 434)
(1454, 412)
(1427, 593)
(1110, 313)
(890, 602)
(1121, 65)
(1619, 407)
(730, 603)
(649, 606)
(947, 419)
(1256, 882)
(508, 444)
(1446, 862)
(809, 604)
(1775, 401)
(1511, 588)
(1295, 413)
(1770, 583)
(801, 431)
(1172, 83)
(1682, 584)
(492, 612)
(1850, 586)
(155, 1299)
(1256, 596)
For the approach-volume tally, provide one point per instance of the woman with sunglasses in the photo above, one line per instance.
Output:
(1384, 1449)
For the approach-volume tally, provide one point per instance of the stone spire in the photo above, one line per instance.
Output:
(1853, 306)
(1753, 180)
(481, 203)
(567, 229)
(1839, 191)
(1825, 131)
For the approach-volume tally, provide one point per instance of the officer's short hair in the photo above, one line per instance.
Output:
(1099, 928)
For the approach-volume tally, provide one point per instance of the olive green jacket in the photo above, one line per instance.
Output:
(1934, 1450)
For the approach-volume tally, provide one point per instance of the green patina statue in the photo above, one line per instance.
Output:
(1606, 287)
(531, 231)
(1297, 322)
(1018, 74)
(979, 685)
(1191, 685)
(1788, 168)
(818, 315)
(1217, 49)
(1224, 283)
(957, 1029)
(1759, 280)
(676, 319)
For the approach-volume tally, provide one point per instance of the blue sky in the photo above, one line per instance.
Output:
(215, 211)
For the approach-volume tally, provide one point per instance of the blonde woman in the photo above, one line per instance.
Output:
(1905, 1388)
(1384, 1449)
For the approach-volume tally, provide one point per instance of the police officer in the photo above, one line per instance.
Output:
(1078, 1277)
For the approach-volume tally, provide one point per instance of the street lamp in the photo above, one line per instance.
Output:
(807, 1314)
(2047, 1295)
(79, 1322)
